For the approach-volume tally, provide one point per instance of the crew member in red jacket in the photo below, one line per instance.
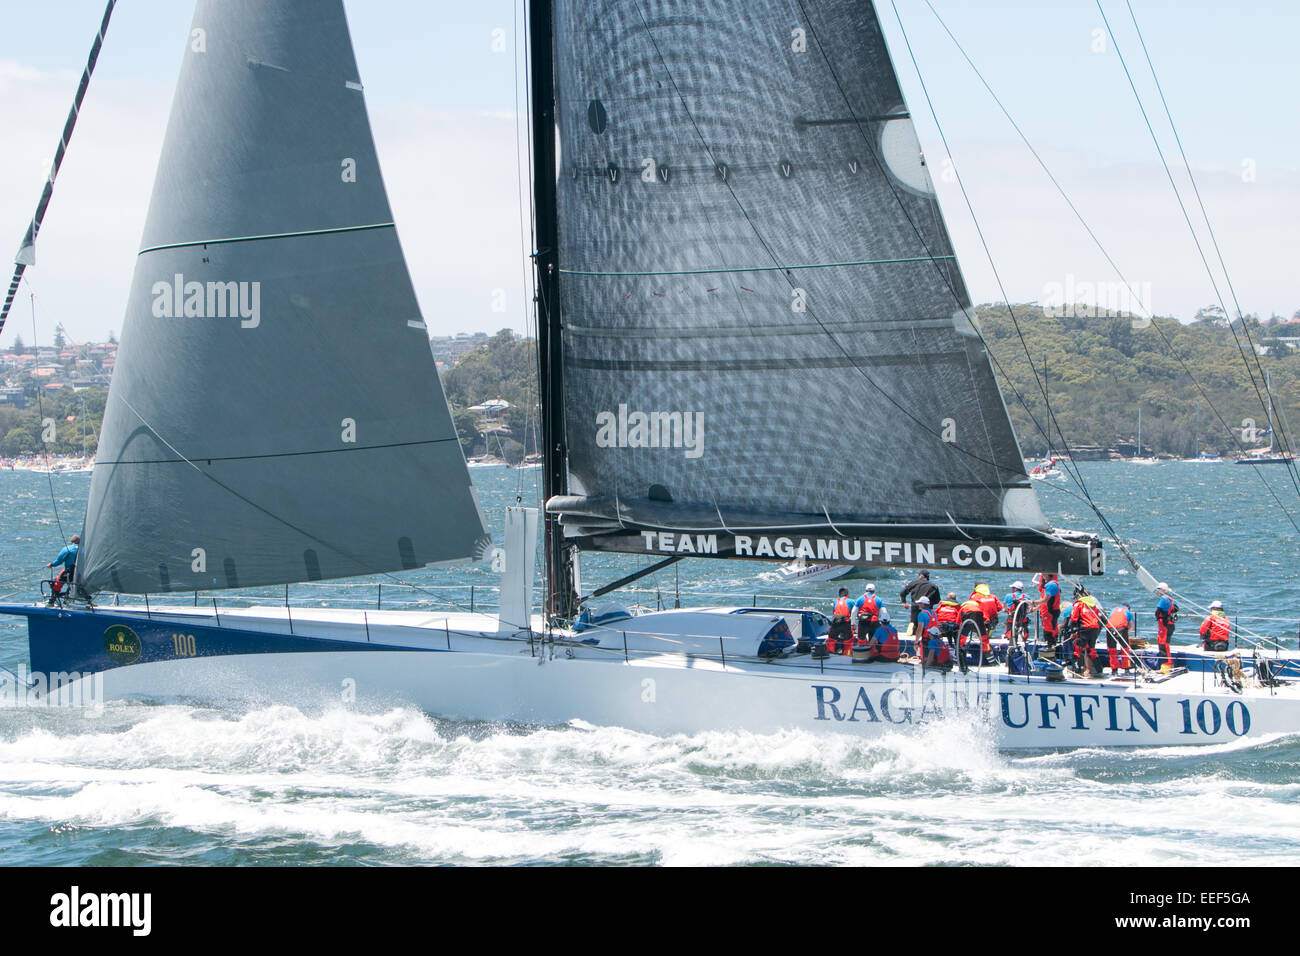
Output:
(1086, 613)
(1119, 627)
(1049, 609)
(1166, 617)
(1216, 630)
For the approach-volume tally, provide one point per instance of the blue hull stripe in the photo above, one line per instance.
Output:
(87, 642)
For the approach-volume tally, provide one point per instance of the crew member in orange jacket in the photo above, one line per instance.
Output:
(1086, 613)
(1119, 628)
(989, 606)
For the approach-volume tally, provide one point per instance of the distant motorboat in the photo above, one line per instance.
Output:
(802, 571)
(1046, 470)
(1266, 459)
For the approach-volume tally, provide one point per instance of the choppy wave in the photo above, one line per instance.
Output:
(398, 786)
(143, 783)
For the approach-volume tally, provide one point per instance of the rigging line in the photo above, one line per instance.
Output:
(40, 410)
(1181, 205)
(1228, 430)
(1073, 470)
(1253, 636)
(772, 255)
(1290, 466)
(1201, 203)
(1231, 433)
(27, 249)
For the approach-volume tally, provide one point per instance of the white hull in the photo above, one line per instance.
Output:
(458, 668)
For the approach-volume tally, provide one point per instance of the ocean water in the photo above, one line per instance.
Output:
(152, 784)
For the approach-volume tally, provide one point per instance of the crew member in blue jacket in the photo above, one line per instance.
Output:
(67, 560)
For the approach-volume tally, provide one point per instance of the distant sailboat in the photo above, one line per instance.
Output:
(703, 238)
(1139, 458)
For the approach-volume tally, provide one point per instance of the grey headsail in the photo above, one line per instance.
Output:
(275, 414)
(764, 327)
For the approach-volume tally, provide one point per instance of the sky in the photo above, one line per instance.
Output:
(440, 82)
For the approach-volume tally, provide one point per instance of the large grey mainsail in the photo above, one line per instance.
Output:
(275, 413)
(764, 324)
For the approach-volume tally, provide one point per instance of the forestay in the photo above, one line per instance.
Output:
(275, 413)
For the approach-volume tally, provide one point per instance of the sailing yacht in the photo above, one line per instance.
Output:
(699, 238)
(1139, 458)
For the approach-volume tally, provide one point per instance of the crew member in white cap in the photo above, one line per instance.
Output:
(924, 621)
(1216, 630)
(869, 608)
(1017, 616)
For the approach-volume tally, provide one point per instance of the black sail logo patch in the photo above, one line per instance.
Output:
(122, 644)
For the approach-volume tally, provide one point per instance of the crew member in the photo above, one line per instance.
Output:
(1086, 615)
(869, 608)
(839, 639)
(924, 618)
(919, 588)
(887, 637)
(1119, 627)
(990, 606)
(937, 653)
(1166, 617)
(67, 560)
(1216, 630)
(1049, 609)
(972, 619)
(1017, 614)
(948, 616)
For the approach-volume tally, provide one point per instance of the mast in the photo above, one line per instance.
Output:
(560, 589)
(1268, 388)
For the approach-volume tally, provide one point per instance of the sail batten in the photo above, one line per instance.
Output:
(765, 324)
(275, 414)
(281, 235)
